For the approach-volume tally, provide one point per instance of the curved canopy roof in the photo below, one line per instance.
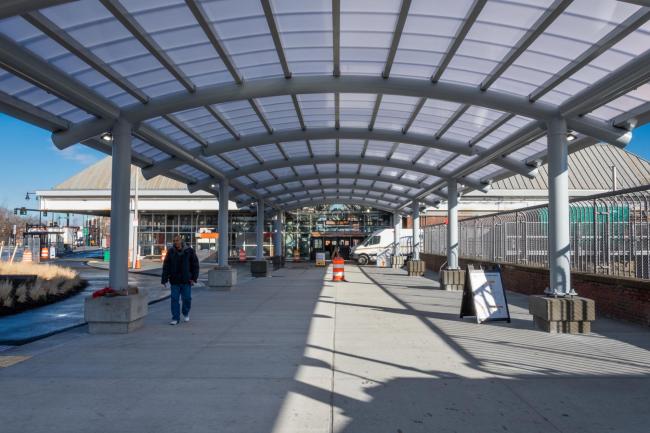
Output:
(366, 101)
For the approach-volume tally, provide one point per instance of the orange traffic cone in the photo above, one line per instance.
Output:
(242, 255)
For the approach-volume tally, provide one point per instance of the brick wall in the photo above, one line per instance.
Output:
(618, 298)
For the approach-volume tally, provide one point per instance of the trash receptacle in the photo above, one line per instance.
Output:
(107, 255)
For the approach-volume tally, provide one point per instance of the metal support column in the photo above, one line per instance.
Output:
(558, 209)
(397, 223)
(452, 225)
(223, 223)
(118, 277)
(416, 230)
(277, 234)
(259, 238)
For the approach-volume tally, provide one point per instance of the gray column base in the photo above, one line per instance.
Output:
(452, 279)
(278, 262)
(116, 314)
(570, 315)
(415, 268)
(222, 278)
(259, 268)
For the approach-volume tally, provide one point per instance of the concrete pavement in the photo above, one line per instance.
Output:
(298, 353)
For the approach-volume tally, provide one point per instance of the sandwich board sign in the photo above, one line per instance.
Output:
(484, 296)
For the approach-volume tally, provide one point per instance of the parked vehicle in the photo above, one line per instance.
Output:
(378, 242)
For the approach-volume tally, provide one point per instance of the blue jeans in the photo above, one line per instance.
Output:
(178, 291)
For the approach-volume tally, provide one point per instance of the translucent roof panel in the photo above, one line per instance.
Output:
(306, 32)
(356, 109)
(317, 109)
(394, 111)
(366, 34)
(433, 114)
(242, 117)
(203, 123)
(280, 112)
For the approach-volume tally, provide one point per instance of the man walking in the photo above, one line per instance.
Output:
(181, 270)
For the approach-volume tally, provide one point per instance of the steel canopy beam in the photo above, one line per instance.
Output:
(349, 190)
(447, 91)
(368, 202)
(31, 114)
(397, 34)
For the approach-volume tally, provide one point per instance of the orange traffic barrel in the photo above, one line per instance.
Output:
(296, 255)
(242, 255)
(45, 253)
(27, 255)
(338, 269)
(163, 254)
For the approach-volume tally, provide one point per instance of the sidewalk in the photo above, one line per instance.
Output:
(297, 353)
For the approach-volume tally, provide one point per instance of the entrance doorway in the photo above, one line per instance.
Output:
(329, 241)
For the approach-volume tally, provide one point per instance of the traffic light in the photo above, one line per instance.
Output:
(15, 211)
(23, 211)
(44, 213)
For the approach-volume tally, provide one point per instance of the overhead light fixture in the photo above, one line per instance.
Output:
(213, 185)
(107, 136)
(571, 136)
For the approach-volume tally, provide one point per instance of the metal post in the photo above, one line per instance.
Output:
(260, 231)
(416, 230)
(223, 223)
(135, 252)
(452, 225)
(397, 223)
(558, 208)
(118, 276)
(277, 234)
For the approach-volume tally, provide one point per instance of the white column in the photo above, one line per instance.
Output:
(259, 238)
(223, 223)
(452, 225)
(559, 249)
(118, 277)
(397, 223)
(416, 230)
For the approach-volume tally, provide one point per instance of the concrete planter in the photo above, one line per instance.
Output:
(222, 278)
(116, 314)
(259, 268)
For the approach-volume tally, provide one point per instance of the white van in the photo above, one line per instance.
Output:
(378, 242)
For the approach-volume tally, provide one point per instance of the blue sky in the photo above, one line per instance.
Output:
(31, 162)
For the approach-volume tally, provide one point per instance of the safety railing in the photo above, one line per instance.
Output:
(609, 234)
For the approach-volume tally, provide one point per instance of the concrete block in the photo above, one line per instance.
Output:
(572, 309)
(562, 327)
(452, 279)
(415, 268)
(116, 314)
(259, 268)
(222, 278)
(398, 262)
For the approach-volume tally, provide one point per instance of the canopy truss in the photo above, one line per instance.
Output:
(378, 102)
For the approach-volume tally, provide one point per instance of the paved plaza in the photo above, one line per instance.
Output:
(297, 353)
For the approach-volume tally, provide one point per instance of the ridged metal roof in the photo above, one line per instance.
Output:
(98, 177)
(590, 169)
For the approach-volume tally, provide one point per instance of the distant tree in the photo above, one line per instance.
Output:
(7, 221)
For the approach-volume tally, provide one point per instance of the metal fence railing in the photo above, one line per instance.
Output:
(610, 234)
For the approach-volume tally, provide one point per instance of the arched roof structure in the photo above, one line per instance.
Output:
(290, 101)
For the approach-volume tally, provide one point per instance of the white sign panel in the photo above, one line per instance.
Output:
(489, 297)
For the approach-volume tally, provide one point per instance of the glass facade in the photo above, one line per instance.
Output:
(307, 230)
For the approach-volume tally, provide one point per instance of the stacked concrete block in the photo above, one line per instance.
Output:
(452, 279)
(222, 278)
(570, 315)
(398, 262)
(259, 268)
(116, 314)
(415, 268)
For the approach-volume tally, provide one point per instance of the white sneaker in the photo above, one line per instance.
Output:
(173, 322)
(186, 318)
